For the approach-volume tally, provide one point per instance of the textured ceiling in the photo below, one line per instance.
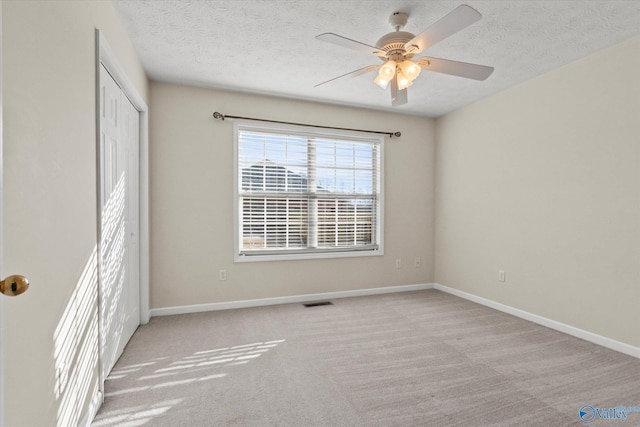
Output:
(269, 46)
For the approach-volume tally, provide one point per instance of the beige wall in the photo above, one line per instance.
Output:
(191, 169)
(50, 202)
(543, 181)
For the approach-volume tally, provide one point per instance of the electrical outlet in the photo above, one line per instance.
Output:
(501, 276)
(398, 263)
(222, 275)
(417, 262)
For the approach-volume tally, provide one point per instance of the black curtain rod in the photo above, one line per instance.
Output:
(221, 116)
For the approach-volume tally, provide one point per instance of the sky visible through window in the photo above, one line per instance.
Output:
(342, 166)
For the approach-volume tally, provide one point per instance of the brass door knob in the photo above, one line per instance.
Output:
(14, 285)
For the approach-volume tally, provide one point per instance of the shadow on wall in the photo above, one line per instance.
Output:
(76, 338)
(150, 384)
(75, 343)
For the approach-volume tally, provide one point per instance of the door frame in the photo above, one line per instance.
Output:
(2, 411)
(106, 57)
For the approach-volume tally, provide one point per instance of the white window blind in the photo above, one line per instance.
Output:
(301, 191)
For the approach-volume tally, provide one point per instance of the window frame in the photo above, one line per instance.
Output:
(305, 253)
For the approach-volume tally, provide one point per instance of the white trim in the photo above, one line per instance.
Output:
(283, 256)
(92, 410)
(2, 347)
(143, 212)
(167, 311)
(561, 327)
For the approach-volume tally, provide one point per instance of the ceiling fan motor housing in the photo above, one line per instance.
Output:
(393, 43)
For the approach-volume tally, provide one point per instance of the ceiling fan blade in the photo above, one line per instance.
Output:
(350, 43)
(455, 68)
(458, 19)
(355, 73)
(398, 97)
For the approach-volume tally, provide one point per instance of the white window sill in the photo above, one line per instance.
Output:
(307, 256)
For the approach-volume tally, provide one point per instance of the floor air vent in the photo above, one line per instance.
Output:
(317, 304)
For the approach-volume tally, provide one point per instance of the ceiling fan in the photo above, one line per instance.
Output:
(398, 48)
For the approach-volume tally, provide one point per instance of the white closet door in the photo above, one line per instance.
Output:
(119, 256)
(131, 124)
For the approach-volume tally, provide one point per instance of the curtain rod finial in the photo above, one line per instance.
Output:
(397, 134)
(217, 115)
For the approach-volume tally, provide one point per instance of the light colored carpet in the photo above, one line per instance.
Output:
(422, 358)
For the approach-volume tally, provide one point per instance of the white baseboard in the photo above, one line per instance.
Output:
(166, 311)
(569, 330)
(92, 411)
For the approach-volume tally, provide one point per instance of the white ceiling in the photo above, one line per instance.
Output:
(269, 46)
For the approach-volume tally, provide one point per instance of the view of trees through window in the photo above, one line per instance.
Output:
(299, 192)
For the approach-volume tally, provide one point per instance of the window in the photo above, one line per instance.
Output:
(302, 192)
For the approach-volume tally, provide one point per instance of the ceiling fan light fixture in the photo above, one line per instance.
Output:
(403, 81)
(382, 82)
(388, 70)
(410, 69)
